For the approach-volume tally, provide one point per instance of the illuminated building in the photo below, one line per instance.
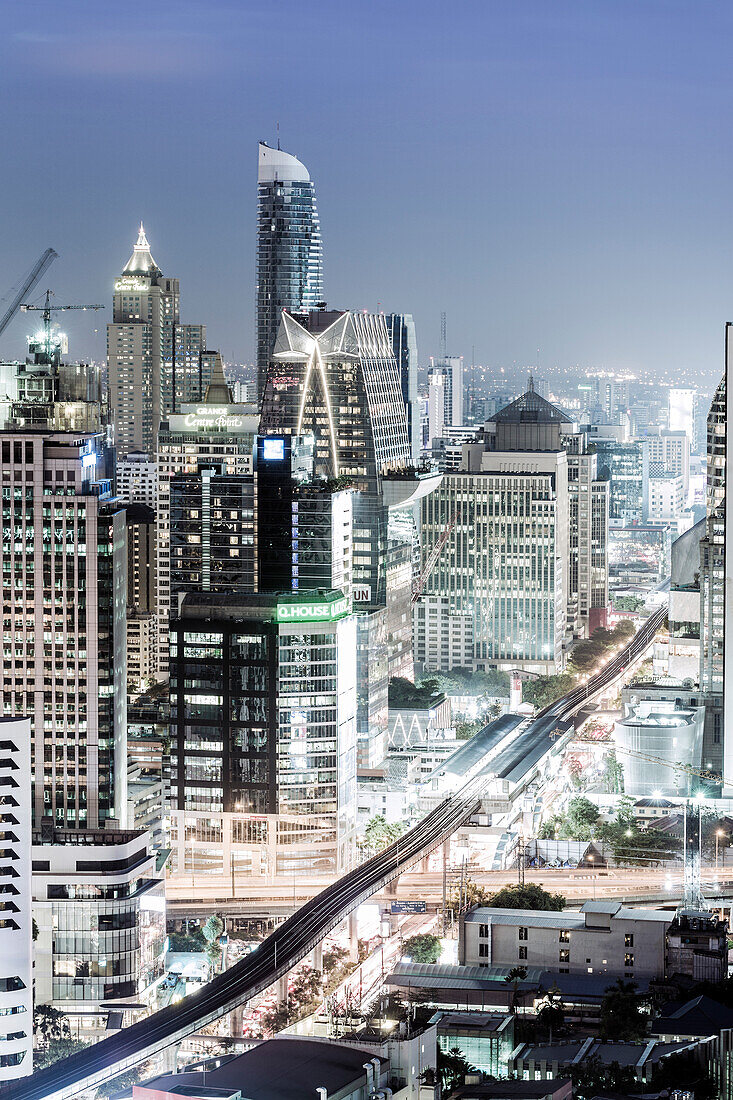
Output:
(16, 955)
(64, 666)
(99, 904)
(205, 473)
(526, 555)
(155, 362)
(401, 329)
(137, 479)
(626, 468)
(671, 451)
(712, 550)
(289, 249)
(263, 721)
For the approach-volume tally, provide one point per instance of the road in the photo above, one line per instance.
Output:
(300, 933)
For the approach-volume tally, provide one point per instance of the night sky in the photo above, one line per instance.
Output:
(554, 175)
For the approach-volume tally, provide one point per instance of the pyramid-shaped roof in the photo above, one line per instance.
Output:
(531, 408)
(141, 262)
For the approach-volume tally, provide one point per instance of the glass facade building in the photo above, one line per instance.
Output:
(712, 551)
(625, 466)
(263, 714)
(289, 249)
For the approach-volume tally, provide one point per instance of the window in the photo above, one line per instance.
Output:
(629, 958)
(483, 950)
(628, 940)
(523, 933)
(564, 935)
(523, 952)
(564, 955)
(483, 931)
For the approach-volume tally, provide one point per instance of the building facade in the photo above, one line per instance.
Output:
(64, 603)
(270, 725)
(626, 468)
(16, 952)
(401, 329)
(155, 362)
(289, 248)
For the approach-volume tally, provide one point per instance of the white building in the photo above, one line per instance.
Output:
(99, 904)
(605, 937)
(670, 731)
(666, 495)
(16, 968)
(137, 479)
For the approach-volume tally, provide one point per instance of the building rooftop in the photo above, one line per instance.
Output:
(531, 408)
(471, 752)
(698, 1017)
(141, 262)
(528, 1090)
(534, 918)
(278, 1069)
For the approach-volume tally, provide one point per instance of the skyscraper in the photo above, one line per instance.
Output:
(401, 329)
(289, 251)
(155, 363)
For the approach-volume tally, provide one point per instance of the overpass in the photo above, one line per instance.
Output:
(303, 931)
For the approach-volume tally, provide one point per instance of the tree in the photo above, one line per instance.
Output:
(543, 690)
(581, 819)
(211, 932)
(423, 949)
(378, 834)
(467, 895)
(465, 730)
(34, 930)
(452, 1068)
(613, 774)
(55, 1050)
(550, 1012)
(50, 1024)
(124, 1081)
(516, 975)
(529, 896)
(621, 1016)
(592, 1076)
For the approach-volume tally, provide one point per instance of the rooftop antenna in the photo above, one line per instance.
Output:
(443, 337)
(277, 124)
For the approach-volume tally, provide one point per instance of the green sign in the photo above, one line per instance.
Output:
(312, 611)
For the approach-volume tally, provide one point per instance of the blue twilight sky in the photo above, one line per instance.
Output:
(554, 174)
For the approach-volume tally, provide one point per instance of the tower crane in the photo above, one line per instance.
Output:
(46, 310)
(686, 769)
(37, 271)
(437, 550)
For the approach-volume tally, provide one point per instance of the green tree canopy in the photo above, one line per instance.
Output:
(379, 834)
(528, 896)
(581, 820)
(424, 948)
(621, 1015)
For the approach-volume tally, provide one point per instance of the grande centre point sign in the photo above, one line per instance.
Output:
(231, 418)
(312, 610)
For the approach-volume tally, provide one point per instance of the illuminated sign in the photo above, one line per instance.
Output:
(214, 416)
(362, 593)
(130, 284)
(89, 460)
(311, 611)
(273, 450)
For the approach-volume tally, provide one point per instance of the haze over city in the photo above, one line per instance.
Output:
(551, 178)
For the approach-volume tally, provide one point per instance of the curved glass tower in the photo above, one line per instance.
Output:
(289, 249)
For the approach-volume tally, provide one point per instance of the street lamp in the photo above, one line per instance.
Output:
(718, 834)
(590, 860)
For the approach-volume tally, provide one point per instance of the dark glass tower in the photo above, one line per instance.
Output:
(289, 251)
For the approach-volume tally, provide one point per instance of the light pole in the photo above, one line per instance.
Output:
(718, 834)
(590, 860)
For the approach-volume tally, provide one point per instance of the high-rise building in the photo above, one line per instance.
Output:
(270, 726)
(626, 468)
(16, 955)
(205, 482)
(446, 374)
(401, 329)
(289, 249)
(137, 479)
(155, 362)
(670, 450)
(712, 547)
(63, 563)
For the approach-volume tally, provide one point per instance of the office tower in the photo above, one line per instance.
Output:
(401, 329)
(687, 413)
(205, 475)
(137, 479)
(155, 362)
(671, 451)
(100, 912)
(437, 404)
(498, 595)
(450, 369)
(666, 497)
(588, 547)
(252, 737)
(337, 380)
(626, 468)
(142, 621)
(64, 620)
(16, 955)
(713, 609)
(289, 249)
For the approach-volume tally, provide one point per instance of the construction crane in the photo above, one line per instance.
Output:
(422, 580)
(46, 310)
(37, 271)
(686, 769)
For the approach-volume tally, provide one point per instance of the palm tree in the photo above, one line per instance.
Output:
(516, 975)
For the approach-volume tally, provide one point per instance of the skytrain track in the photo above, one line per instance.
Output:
(299, 934)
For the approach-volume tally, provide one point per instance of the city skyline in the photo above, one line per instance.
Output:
(587, 207)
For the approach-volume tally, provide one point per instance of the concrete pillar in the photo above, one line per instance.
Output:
(282, 989)
(353, 937)
(170, 1058)
(236, 1021)
(316, 956)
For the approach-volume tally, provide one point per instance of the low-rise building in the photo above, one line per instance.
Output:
(486, 1039)
(99, 905)
(697, 946)
(605, 937)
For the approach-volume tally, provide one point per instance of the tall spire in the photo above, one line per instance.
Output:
(141, 262)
